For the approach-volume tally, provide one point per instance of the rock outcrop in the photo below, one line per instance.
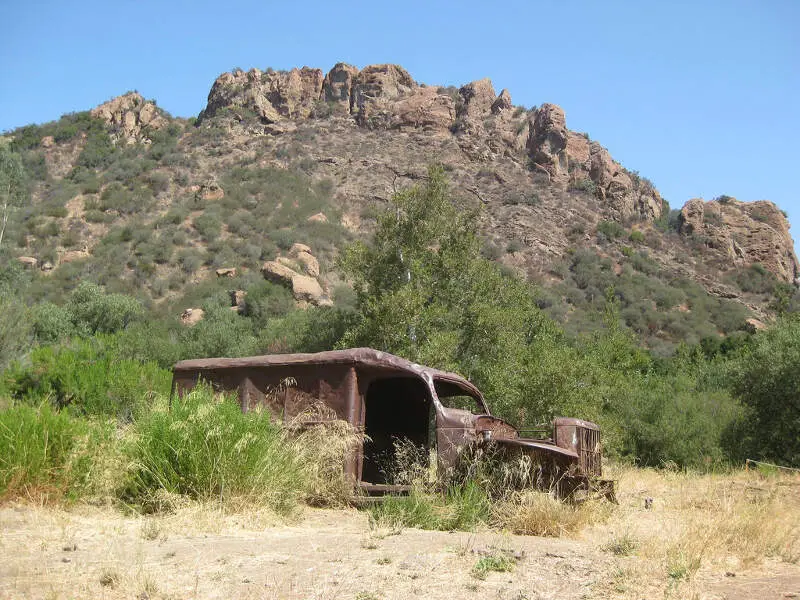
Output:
(502, 102)
(131, 117)
(271, 95)
(29, 262)
(338, 84)
(486, 129)
(192, 316)
(299, 272)
(209, 191)
(570, 156)
(743, 233)
(385, 96)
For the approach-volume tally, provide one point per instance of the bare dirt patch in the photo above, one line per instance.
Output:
(201, 552)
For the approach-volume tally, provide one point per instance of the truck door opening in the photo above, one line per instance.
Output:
(397, 409)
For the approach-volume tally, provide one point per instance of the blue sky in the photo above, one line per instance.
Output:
(701, 97)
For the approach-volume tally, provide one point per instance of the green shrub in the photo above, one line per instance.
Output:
(94, 311)
(46, 454)
(208, 449)
(767, 379)
(584, 185)
(756, 279)
(636, 236)
(610, 229)
(514, 246)
(88, 381)
(208, 226)
(529, 199)
(669, 420)
(499, 562)
(15, 329)
(51, 323)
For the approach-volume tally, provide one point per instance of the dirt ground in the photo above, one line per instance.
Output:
(88, 552)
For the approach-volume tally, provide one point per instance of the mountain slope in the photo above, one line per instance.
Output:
(130, 197)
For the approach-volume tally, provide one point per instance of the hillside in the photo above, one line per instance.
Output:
(127, 196)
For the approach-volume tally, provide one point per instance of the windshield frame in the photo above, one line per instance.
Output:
(464, 386)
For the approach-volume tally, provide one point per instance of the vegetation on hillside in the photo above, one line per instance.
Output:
(85, 350)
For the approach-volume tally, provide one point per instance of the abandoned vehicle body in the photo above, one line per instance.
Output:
(389, 400)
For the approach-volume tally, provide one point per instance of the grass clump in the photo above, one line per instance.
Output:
(462, 507)
(46, 454)
(208, 449)
(499, 562)
(539, 513)
(622, 545)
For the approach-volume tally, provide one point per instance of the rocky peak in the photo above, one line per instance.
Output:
(571, 157)
(338, 83)
(478, 97)
(743, 233)
(271, 95)
(503, 102)
(547, 139)
(131, 117)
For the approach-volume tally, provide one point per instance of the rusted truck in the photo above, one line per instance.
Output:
(389, 400)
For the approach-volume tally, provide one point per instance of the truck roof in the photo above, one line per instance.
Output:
(352, 356)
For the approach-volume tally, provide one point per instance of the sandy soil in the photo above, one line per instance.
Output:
(199, 552)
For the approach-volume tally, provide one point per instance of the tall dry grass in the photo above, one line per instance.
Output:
(698, 523)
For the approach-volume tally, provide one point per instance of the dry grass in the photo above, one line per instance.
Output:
(698, 523)
(539, 513)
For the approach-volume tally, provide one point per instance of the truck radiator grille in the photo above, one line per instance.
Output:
(589, 453)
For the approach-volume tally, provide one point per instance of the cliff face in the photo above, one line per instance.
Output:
(743, 233)
(386, 97)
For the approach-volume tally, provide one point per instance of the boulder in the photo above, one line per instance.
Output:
(210, 191)
(192, 316)
(306, 289)
(298, 247)
(238, 299)
(318, 218)
(752, 325)
(309, 262)
(277, 273)
(28, 262)
(226, 272)
(290, 263)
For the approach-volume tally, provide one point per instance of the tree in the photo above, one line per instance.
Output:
(767, 381)
(93, 311)
(12, 185)
(424, 291)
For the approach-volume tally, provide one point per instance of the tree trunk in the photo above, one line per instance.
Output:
(5, 220)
